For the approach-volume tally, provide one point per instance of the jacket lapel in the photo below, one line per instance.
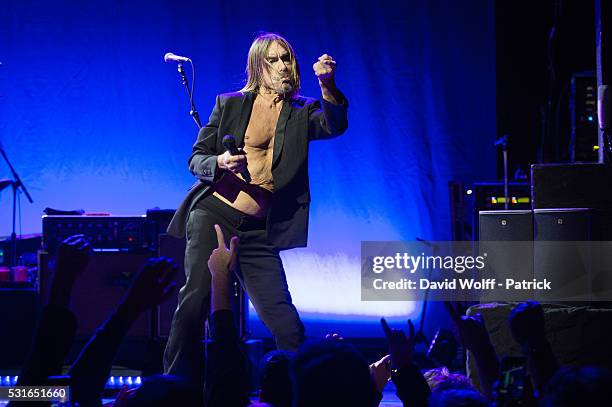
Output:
(279, 135)
(245, 114)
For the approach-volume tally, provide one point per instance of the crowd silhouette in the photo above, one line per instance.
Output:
(325, 372)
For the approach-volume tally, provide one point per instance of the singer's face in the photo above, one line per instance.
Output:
(277, 70)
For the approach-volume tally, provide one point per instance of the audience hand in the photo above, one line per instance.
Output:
(152, 286)
(72, 258)
(400, 346)
(221, 259)
(471, 329)
(381, 372)
(474, 337)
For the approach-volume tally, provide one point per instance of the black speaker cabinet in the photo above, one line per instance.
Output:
(570, 224)
(99, 289)
(506, 239)
(577, 185)
(506, 225)
(567, 250)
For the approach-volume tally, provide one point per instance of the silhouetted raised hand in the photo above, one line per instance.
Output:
(411, 386)
(470, 329)
(153, 285)
(72, 258)
(474, 337)
(222, 259)
(400, 345)
(527, 324)
(220, 263)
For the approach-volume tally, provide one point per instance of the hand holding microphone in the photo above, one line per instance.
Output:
(233, 160)
(233, 163)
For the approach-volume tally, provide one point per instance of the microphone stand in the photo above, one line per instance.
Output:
(17, 184)
(193, 112)
(503, 143)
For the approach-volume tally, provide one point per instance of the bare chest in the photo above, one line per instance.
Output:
(262, 125)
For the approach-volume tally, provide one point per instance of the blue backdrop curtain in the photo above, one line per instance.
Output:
(92, 118)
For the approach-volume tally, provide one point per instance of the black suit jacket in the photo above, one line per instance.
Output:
(300, 121)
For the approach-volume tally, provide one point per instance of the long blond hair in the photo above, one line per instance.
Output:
(256, 62)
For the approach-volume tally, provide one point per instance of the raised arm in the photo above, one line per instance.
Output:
(328, 118)
(152, 286)
(474, 337)
(527, 326)
(411, 386)
(226, 369)
(57, 325)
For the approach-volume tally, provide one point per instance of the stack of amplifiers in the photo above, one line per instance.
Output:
(121, 246)
(105, 233)
(95, 296)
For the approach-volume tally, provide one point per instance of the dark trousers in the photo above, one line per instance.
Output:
(261, 274)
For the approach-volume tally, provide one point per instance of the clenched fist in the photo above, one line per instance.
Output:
(72, 258)
(324, 68)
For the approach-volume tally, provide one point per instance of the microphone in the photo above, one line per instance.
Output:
(229, 142)
(502, 141)
(170, 57)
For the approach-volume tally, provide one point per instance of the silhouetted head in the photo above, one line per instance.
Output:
(441, 379)
(458, 397)
(275, 379)
(579, 386)
(332, 373)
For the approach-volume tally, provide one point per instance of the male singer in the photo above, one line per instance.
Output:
(272, 124)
